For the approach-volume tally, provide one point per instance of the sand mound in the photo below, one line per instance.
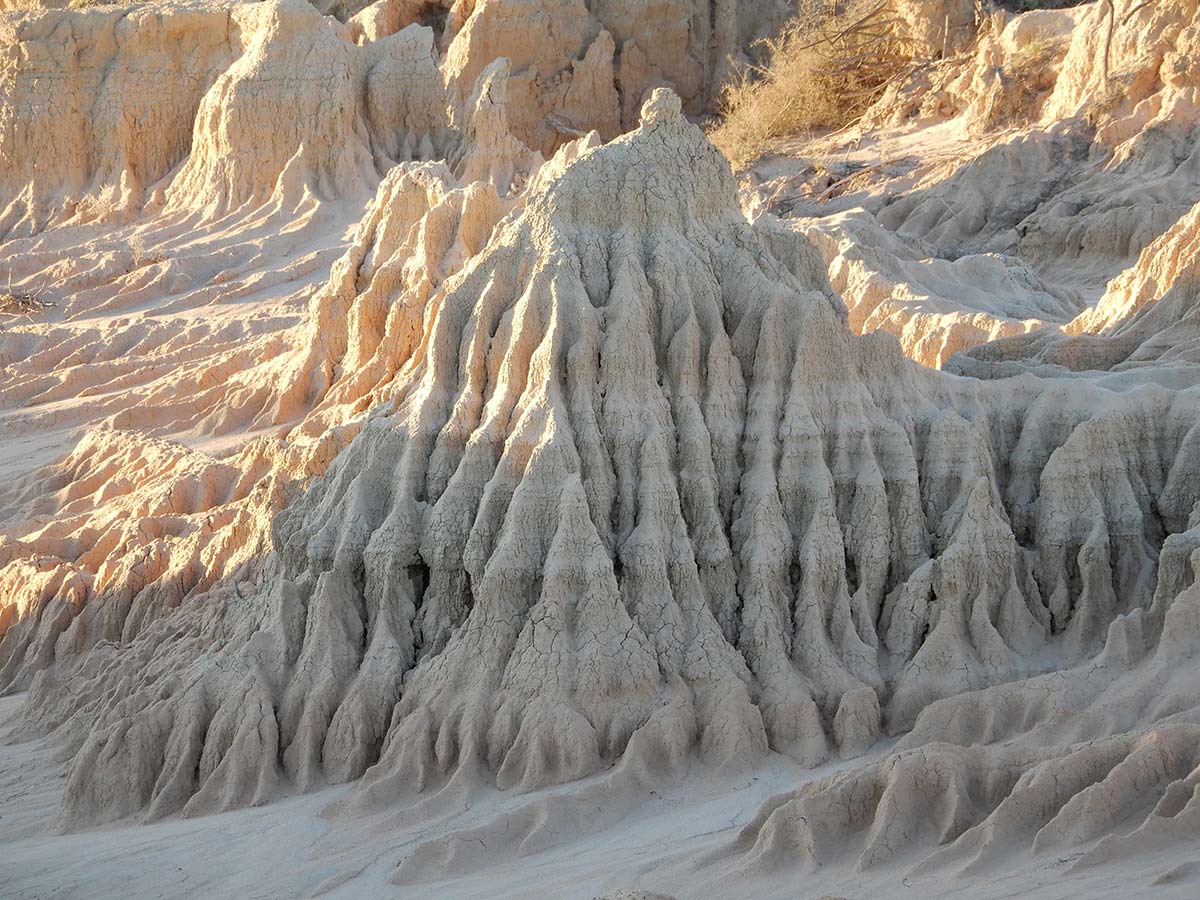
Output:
(1107, 758)
(970, 809)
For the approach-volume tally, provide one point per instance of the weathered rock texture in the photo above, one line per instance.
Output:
(231, 358)
(1028, 147)
(125, 94)
(936, 306)
(416, 458)
(611, 507)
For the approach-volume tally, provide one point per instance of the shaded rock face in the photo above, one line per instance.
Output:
(935, 306)
(1146, 318)
(634, 492)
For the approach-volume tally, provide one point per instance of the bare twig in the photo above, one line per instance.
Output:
(1137, 9)
(1112, 13)
(19, 303)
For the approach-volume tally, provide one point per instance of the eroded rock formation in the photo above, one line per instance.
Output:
(410, 444)
(1038, 164)
(612, 506)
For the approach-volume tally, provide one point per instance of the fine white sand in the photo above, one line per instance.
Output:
(288, 849)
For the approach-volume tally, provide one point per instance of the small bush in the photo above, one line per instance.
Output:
(16, 303)
(823, 70)
(139, 257)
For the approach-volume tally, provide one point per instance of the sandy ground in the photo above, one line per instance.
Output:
(295, 847)
(213, 364)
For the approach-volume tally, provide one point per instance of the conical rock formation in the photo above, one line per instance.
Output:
(632, 490)
(446, 459)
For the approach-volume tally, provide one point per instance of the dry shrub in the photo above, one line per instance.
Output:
(1021, 85)
(16, 303)
(1035, 67)
(139, 256)
(830, 63)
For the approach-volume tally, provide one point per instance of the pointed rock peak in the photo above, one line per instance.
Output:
(662, 105)
(489, 98)
(663, 176)
(490, 152)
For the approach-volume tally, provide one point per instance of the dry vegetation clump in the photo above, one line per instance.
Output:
(824, 69)
(139, 256)
(1023, 84)
(18, 303)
